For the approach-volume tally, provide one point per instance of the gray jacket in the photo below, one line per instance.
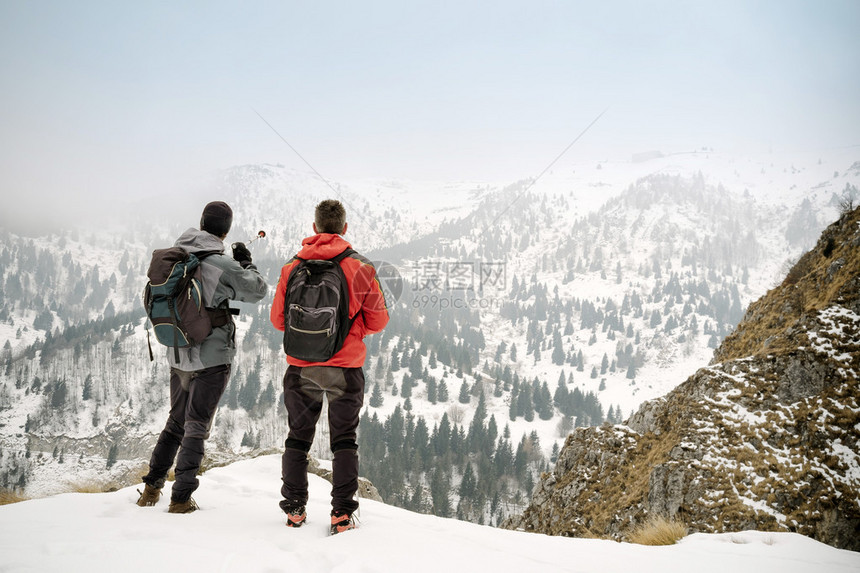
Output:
(223, 280)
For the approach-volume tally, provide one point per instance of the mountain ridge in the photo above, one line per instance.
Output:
(764, 437)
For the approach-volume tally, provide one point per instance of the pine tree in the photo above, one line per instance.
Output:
(500, 350)
(477, 431)
(521, 460)
(112, 455)
(545, 412)
(376, 397)
(247, 439)
(232, 392)
(44, 320)
(468, 485)
(492, 433)
(440, 486)
(443, 392)
(558, 350)
(560, 397)
(88, 387)
(464, 397)
(503, 458)
(58, 396)
(406, 387)
(528, 406)
(394, 430)
(267, 398)
(432, 395)
(250, 391)
(416, 502)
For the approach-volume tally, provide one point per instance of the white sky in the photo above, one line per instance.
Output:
(123, 98)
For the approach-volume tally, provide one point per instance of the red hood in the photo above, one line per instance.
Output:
(323, 246)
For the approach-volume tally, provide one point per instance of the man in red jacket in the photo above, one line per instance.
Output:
(340, 378)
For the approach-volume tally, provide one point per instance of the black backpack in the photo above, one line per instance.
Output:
(316, 309)
(173, 299)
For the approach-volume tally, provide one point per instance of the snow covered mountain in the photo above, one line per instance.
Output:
(764, 437)
(539, 306)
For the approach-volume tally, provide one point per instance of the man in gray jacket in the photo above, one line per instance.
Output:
(198, 379)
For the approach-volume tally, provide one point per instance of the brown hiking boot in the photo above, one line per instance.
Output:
(183, 506)
(149, 496)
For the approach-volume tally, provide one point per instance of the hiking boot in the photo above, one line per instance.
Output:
(296, 517)
(149, 496)
(183, 506)
(341, 521)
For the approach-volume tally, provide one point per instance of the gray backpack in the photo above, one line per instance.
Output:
(316, 309)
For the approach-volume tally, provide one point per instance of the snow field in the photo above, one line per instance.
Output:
(240, 528)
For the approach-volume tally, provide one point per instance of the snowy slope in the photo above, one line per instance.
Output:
(240, 528)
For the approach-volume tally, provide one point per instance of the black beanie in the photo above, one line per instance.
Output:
(217, 218)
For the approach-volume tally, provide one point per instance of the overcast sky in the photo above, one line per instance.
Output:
(126, 97)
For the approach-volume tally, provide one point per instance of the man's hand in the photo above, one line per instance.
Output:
(241, 254)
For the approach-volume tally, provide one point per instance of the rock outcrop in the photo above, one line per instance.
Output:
(765, 437)
(366, 489)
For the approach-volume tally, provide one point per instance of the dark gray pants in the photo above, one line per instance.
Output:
(304, 389)
(194, 398)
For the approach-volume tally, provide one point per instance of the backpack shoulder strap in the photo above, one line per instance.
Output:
(346, 252)
(203, 254)
(336, 260)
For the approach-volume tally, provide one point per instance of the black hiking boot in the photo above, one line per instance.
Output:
(187, 506)
(149, 496)
(341, 521)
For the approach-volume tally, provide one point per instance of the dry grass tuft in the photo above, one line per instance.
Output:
(7, 497)
(90, 487)
(108, 484)
(659, 530)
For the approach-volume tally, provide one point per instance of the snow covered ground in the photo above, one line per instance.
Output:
(240, 528)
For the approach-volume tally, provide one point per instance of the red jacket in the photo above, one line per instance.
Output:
(366, 299)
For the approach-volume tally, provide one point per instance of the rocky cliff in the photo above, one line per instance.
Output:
(765, 437)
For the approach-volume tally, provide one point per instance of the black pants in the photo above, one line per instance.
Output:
(303, 396)
(194, 397)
